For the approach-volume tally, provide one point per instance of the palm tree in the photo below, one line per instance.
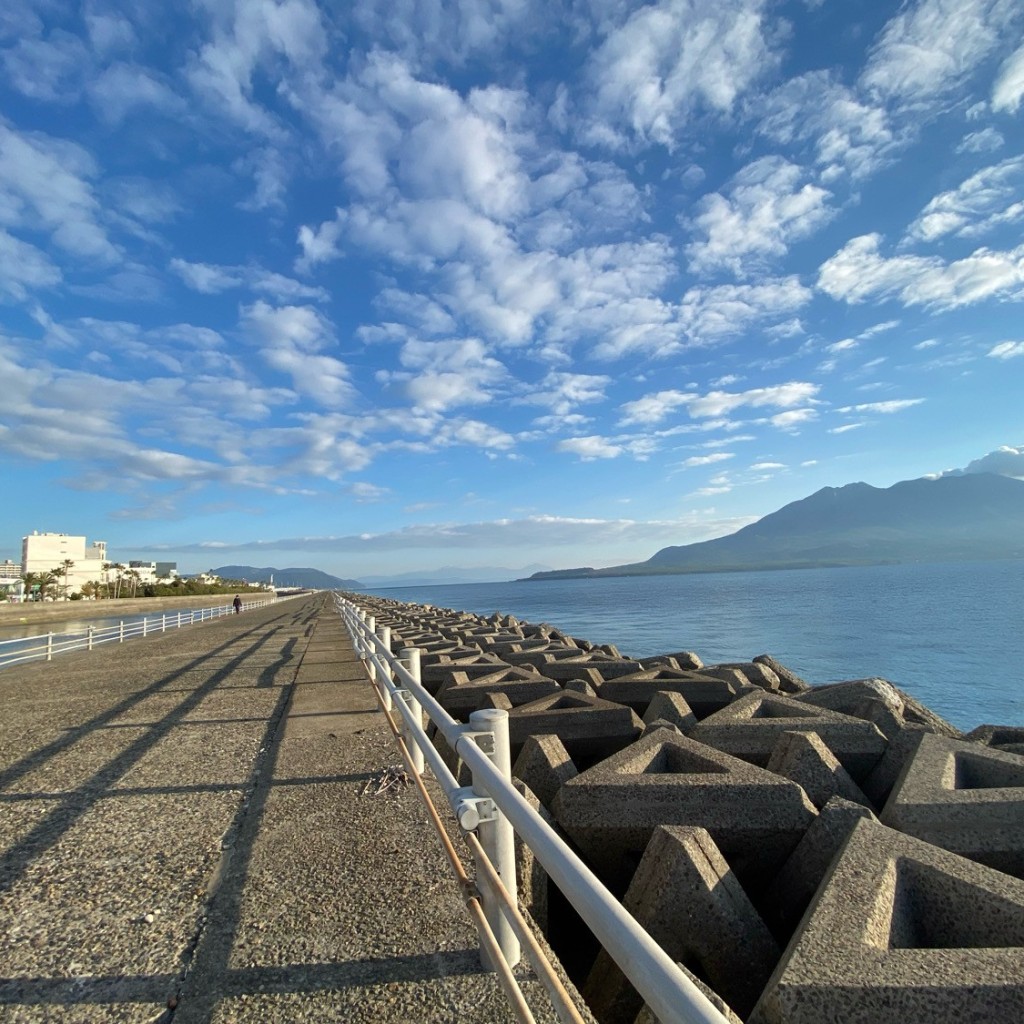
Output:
(45, 580)
(107, 566)
(66, 566)
(29, 580)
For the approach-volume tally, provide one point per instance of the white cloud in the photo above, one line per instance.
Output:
(205, 278)
(859, 272)
(792, 418)
(781, 396)
(849, 136)
(1006, 461)
(987, 199)
(291, 338)
(1007, 350)
(48, 69)
(708, 315)
(428, 30)
(764, 466)
(668, 63)
(766, 206)
(24, 268)
(894, 405)
(246, 36)
(1009, 86)
(655, 407)
(590, 448)
(449, 373)
(210, 279)
(708, 460)
(44, 187)
(930, 48)
(845, 428)
(988, 140)
(122, 89)
(561, 392)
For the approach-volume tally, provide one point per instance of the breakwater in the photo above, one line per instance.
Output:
(807, 853)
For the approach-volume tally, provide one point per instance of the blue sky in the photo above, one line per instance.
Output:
(395, 284)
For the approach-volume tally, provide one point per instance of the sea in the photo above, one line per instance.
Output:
(950, 634)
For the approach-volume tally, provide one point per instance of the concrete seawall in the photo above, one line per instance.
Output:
(833, 853)
(187, 834)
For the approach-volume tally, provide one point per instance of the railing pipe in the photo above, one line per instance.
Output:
(49, 647)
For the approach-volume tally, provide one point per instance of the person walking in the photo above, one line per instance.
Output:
(237, 603)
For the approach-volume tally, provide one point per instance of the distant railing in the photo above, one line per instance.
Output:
(45, 646)
(492, 808)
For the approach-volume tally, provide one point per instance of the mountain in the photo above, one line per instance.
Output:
(312, 578)
(450, 574)
(951, 518)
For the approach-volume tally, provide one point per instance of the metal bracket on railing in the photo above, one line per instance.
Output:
(471, 809)
(484, 740)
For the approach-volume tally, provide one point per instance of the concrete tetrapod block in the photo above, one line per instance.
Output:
(611, 810)
(755, 672)
(804, 758)
(545, 766)
(589, 727)
(750, 727)
(704, 694)
(672, 708)
(461, 695)
(435, 675)
(1000, 737)
(902, 931)
(789, 682)
(964, 797)
(795, 885)
(690, 902)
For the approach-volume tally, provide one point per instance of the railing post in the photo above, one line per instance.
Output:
(163, 622)
(120, 633)
(92, 629)
(385, 694)
(49, 646)
(497, 836)
(410, 657)
(145, 623)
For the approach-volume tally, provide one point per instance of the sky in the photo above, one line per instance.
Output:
(387, 285)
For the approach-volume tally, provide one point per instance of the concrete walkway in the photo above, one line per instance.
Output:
(183, 838)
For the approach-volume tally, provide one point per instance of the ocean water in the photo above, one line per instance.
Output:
(950, 634)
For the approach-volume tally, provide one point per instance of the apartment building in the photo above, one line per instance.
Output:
(45, 552)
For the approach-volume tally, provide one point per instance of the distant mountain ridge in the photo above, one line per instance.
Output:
(312, 578)
(450, 574)
(951, 518)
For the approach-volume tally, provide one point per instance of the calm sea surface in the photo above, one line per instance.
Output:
(950, 634)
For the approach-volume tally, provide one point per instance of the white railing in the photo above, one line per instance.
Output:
(46, 646)
(496, 811)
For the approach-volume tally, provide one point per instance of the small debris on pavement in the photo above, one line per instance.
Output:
(392, 779)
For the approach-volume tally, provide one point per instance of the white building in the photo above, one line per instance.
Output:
(47, 552)
(10, 579)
